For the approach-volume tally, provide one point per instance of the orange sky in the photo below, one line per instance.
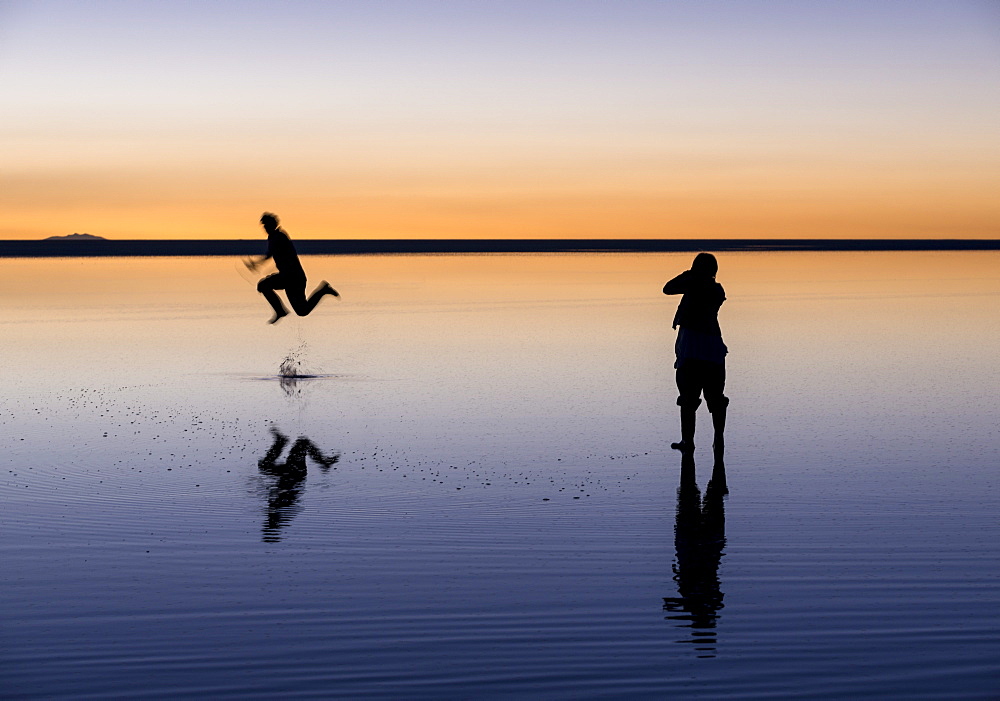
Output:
(656, 120)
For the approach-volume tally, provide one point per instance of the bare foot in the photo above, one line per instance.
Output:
(329, 290)
(274, 319)
(683, 446)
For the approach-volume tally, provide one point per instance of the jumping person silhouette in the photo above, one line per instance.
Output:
(701, 354)
(290, 276)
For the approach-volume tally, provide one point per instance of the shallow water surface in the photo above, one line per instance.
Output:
(464, 486)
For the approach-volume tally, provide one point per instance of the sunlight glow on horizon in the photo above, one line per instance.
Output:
(557, 119)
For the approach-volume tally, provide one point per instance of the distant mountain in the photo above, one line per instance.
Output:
(75, 237)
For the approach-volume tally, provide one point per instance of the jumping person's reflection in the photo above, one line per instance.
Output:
(699, 538)
(289, 477)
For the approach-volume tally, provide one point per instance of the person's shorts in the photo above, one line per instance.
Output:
(282, 281)
(695, 377)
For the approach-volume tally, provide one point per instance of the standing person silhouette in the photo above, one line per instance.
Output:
(701, 354)
(290, 276)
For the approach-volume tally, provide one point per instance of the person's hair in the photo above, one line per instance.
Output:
(706, 264)
(268, 218)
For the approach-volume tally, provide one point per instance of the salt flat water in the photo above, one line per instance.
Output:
(474, 495)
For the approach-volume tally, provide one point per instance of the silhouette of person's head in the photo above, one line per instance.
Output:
(270, 221)
(705, 264)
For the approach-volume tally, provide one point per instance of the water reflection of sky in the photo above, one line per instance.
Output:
(501, 505)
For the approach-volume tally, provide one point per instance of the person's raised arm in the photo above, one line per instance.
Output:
(679, 285)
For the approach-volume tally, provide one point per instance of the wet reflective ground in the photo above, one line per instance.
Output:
(472, 492)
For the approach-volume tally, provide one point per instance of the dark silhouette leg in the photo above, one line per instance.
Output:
(717, 484)
(689, 388)
(267, 287)
(316, 454)
(302, 305)
(719, 423)
(718, 403)
(268, 462)
(688, 417)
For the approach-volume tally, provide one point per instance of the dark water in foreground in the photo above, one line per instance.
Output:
(475, 495)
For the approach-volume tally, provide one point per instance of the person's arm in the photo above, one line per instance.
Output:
(679, 285)
(254, 264)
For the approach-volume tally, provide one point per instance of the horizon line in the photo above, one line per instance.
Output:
(60, 248)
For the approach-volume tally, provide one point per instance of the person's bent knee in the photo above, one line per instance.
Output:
(688, 402)
(262, 286)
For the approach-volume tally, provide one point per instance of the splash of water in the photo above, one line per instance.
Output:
(292, 366)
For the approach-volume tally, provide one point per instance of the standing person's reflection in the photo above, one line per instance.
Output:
(284, 492)
(699, 538)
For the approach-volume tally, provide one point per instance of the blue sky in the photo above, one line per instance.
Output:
(440, 112)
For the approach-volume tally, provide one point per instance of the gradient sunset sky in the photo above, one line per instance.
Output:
(440, 118)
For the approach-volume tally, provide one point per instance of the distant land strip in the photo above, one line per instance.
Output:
(335, 247)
